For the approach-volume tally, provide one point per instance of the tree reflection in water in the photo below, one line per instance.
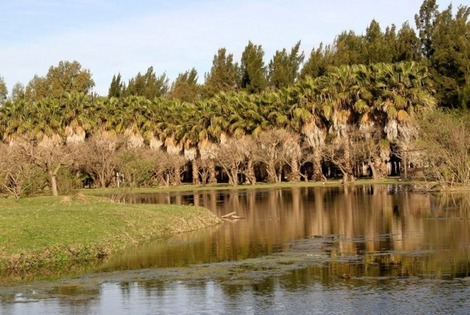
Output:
(302, 250)
(379, 230)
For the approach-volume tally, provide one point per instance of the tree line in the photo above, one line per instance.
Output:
(350, 115)
(439, 40)
(354, 107)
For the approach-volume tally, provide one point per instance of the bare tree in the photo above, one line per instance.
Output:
(168, 167)
(273, 150)
(17, 175)
(136, 166)
(444, 147)
(50, 155)
(230, 157)
(343, 153)
(99, 157)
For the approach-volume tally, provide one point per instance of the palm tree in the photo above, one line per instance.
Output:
(281, 114)
(336, 91)
(14, 122)
(77, 116)
(310, 118)
(403, 90)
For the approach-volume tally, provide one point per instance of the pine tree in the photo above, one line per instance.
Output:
(147, 85)
(116, 87)
(318, 62)
(450, 58)
(284, 67)
(407, 45)
(253, 71)
(223, 76)
(3, 91)
(185, 88)
(425, 21)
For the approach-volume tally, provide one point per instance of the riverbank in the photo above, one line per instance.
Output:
(56, 233)
(117, 192)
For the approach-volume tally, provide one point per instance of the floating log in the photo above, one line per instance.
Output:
(231, 216)
(225, 216)
(236, 217)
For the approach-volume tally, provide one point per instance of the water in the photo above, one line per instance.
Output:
(353, 250)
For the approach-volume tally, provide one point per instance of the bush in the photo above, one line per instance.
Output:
(444, 146)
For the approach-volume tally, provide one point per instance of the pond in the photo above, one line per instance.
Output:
(305, 250)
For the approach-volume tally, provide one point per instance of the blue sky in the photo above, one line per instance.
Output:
(116, 36)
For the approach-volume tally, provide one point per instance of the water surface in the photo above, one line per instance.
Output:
(351, 250)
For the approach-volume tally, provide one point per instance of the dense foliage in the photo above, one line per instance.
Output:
(352, 108)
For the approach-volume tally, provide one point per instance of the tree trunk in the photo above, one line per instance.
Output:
(177, 176)
(405, 166)
(272, 175)
(380, 167)
(212, 175)
(295, 173)
(250, 172)
(195, 172)
(166, 179)
(348, 175)
(374, 171)
(53, 178)
(233, 175)
(348, 178)
(317, 170)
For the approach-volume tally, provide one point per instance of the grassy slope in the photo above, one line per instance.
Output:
(46, 231)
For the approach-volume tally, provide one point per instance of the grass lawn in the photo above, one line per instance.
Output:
(49, 232)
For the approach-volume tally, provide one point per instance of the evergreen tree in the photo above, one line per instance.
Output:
(3, 91)
(185, 88)
(223, 76)
(284, 67)
(116, 87)
(349, 49)
(407, 45)
(377, 49)
(17, 92)
(446, 46)
(318, 62)
(253, 70)
(425, 22)
(147, 85)
(450, 58)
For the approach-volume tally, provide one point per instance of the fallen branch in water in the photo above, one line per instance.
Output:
(231, 216)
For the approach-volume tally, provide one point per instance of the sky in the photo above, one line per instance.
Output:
(120, 36)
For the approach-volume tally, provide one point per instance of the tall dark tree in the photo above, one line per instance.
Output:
(116, 87)
(349, 49)
(3, 91)
(407, 45)
(425, 22)
(318, 62)
(224, 74)
(284, 67)
(148, 85)
(450, 58)
(376, 47)
(185, 88)
(253, 69)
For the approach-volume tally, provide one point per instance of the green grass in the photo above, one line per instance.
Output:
(49, 232)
